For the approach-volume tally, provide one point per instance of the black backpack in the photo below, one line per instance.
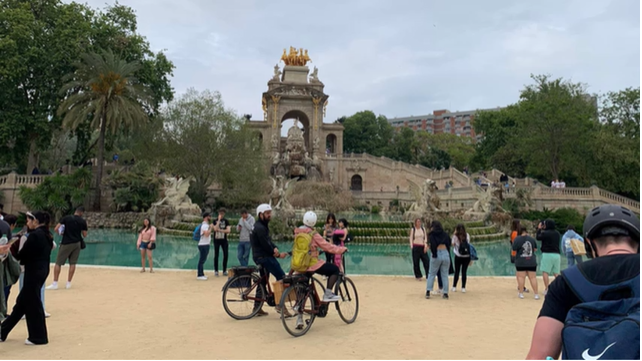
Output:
(464, 248)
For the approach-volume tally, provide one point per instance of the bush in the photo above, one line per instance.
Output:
(561, 216)
(135, 190)
(375, 210)
(58, 194)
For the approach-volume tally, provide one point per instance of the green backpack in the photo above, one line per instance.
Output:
(301, 257)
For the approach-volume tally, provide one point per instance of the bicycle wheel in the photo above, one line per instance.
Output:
(235, 297)
(298, 310)
(348, 305)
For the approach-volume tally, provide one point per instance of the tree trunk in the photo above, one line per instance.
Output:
(101, 160)
(32, 160)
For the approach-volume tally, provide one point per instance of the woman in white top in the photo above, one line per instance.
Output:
(419, 247)
(461, 246)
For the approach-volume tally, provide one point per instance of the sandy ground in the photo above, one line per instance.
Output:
(123, 314)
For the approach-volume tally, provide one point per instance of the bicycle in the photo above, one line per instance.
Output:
(245, 286)
(300, 302)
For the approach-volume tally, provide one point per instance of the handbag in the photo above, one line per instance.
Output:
(83, 245)
(152, 246)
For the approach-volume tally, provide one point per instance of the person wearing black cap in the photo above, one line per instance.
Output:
(607, 285)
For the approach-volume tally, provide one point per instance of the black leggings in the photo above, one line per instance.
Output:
(331, 271)
(461, 264)
(220, 243)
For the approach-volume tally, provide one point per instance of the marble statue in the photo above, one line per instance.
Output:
(277, 73)
(426, 202)
(176, 196)
(278, 195)
(314, 77)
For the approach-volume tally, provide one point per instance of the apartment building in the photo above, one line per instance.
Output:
(441, 121)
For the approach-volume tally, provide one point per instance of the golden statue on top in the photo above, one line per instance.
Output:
(295, 57)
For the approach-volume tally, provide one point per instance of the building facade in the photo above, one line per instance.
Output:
(441, 121)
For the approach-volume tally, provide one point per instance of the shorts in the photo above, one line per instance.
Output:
(526, 269)
(143, 246)
(550, 263)
(69, 252)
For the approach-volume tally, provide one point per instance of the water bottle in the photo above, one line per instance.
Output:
(61, 229)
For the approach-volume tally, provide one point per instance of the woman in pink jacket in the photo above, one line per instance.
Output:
(321, 267)
(146, 243)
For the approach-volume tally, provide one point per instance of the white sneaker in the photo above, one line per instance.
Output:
(27, 342)
(47, 314)
(454, 289)
(520, 295)
(545, 291)
(23, 317)
(53, 286)
(463, 290)
(68, 286)
(201, 278)
(216, 273)
(329, 296)
(437, 292)
(299, 322)
(537, 297)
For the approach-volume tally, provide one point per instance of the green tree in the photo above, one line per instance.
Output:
(202, 139)
(614, 161)
(58, 194)
(364, 132)
(496, 149)
(103, 88)
(459, 149)
(136, 189)
(39, 42)
(555, 124)
(403, 146)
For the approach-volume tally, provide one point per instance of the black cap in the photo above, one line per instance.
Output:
(206, 214)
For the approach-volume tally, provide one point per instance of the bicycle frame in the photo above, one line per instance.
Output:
(262, 279)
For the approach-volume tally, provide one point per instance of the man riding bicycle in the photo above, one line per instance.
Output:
(319, 266)
(264, 252)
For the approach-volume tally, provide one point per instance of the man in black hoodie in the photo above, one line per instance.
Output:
(551, 258)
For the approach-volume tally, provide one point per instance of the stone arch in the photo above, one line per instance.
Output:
(303, 120)
(331, 143)
(356, 183)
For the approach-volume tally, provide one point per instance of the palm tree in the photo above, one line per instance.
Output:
(103, 89)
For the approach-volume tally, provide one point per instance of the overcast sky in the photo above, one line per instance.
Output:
(395, 57)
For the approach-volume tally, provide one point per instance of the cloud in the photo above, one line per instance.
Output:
(396, 58)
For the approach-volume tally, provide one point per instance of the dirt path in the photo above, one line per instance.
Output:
(122, 314)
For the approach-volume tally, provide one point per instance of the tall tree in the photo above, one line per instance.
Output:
(39, 42)
(364, 132)
(201, 138)
(103, 88)
(555, 119)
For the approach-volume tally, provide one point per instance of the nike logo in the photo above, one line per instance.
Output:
(587, 356)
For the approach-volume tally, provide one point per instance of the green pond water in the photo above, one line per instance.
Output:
(110, 247)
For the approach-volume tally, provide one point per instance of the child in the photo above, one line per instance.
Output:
(338, 239)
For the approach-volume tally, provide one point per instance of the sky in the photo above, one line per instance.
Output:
(396, 58)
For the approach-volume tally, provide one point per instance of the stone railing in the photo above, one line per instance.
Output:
(616, 198)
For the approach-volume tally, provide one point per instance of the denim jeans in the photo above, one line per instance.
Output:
(203, 251)
(243, 253)
(573, 259)
(42, 290)
(439, 264)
